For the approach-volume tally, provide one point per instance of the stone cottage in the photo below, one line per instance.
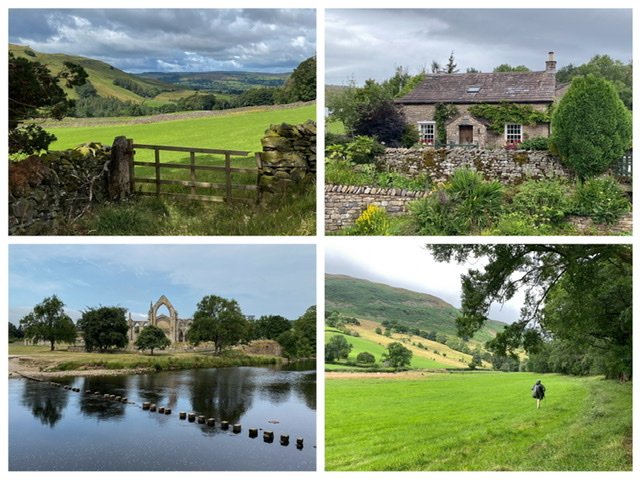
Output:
(462, 91)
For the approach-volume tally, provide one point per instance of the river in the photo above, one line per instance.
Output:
(55, 429)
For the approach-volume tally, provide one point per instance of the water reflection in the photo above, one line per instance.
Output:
(96, 406)
(223, 394)
(46, 402)
(306, 390)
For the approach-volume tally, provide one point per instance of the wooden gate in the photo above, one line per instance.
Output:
(218, 171)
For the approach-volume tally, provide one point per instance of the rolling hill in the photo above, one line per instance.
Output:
(101, 75)
(377, 302)
(165, 87)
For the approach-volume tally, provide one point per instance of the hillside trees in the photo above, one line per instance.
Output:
(336, 348)
(591, 126)
(15, 333)
(577, 294)
(218, 320)
(48, 322)
(397, 355)
(35, 92)
(104, 328)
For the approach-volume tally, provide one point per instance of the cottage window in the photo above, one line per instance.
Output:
(513, 133)
(427, 132)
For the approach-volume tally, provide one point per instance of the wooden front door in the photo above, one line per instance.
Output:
(466, 134)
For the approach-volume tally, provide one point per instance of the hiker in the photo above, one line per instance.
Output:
(537, 392)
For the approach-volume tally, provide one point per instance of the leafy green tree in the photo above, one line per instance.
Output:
(617, 72)
(218, 320)
(365, 358)
(591, 126)
(378, 330)
(397, 355)
(505, 67)
(336, 348)
(152, 337)
(15, 333)
(104, 328)
(577, 294)
(476, 361)
(48, 322)
(301, 85)
(300, 341)
(270, 326)
(35, 92)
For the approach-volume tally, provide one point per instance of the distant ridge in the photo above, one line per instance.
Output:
(378, 302)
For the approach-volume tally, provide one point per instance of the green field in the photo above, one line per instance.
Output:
(229, 131)
(477, 421)
(361, 344)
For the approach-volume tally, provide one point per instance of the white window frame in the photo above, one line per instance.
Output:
(510, 135)
(427, 130)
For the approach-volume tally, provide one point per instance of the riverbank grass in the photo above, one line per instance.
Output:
(62, 360)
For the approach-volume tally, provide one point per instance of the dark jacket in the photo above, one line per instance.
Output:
(538, 391)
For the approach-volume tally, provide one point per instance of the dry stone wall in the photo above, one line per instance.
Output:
(344, 203)
(506, 166)
(288, 158)
(53, 190)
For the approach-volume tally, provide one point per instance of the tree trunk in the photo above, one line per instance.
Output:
(53, 343)
(152, 352)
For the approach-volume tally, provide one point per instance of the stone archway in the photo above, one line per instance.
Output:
(173, 317)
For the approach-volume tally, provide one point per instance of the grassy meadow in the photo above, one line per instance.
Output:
(477, 421)
(232, 130)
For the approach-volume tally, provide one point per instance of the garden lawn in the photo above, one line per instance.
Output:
(477, 421)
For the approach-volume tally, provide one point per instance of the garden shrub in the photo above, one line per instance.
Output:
(535, 143)
(373, 221)
(465, 204)
(360, 150)
(544, 201)
(601, 199)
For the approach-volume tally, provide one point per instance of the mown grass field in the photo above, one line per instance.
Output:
(377, 349)
(477, 421)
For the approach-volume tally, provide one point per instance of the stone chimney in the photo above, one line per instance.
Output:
(551, 63)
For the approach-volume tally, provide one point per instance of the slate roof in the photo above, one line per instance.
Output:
(519, 87)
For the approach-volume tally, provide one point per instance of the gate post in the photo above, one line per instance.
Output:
(120, 167)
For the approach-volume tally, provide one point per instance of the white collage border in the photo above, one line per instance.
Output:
(319, 240)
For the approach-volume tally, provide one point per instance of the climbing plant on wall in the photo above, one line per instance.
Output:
(503, 113)
(444, 113)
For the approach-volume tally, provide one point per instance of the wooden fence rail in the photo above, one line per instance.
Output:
(193, 167)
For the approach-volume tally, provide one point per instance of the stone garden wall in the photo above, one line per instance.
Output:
(56, 188)
(288, 158)
(344, 204)
(506, 166)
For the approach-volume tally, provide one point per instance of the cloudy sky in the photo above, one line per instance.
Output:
(362, 44)
(139, 40)
(405, 263)
(264, 279)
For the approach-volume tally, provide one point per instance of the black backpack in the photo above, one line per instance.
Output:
(537, 389)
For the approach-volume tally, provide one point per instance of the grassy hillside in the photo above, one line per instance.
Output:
(376, 345)
(375, 301)
(101, 74)
(477, 421)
